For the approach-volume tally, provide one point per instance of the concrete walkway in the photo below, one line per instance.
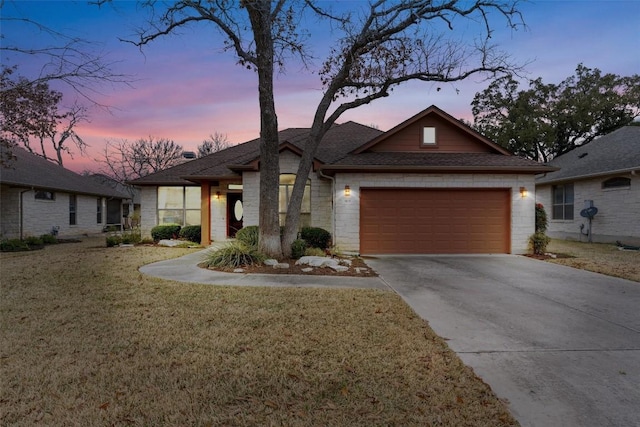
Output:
(185, 269)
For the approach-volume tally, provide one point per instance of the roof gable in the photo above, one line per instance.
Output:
(615, 153)
(31, 171)
(451, 136)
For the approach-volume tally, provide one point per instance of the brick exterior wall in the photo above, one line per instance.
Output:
(40, 216)
(348, 208)
(618, 216)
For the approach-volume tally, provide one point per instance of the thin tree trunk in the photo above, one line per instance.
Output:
(269, 241)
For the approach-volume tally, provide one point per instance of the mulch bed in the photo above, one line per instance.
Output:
(548, 256)
(317, 271)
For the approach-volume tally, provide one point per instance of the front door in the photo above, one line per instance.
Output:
(235, 212)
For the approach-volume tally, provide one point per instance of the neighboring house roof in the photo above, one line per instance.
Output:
(30, 171)
(354, 147)
(132, 192)
(614, 153)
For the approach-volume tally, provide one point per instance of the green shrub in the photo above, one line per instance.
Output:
(538, 243)
(13, 245)
(249, 235)
(235, 254)
(314, 252)
(49, 239)
(541, 219)
(298, 248)
(131, 237)
(191, 233)
(316, 237)
(33, 242)
(113, 241)
(167, 231)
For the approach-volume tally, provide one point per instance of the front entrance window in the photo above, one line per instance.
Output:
(179, 205)
(286, 188)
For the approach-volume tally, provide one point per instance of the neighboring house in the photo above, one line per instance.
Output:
(429, 185)
(39, 197)
(130, 207)
(604, 173)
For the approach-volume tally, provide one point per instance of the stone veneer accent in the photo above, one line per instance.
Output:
(618, 215)
(348, 208)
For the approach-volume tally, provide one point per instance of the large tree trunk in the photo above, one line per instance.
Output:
(260, 17)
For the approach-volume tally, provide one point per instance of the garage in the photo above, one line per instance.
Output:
(435, 221)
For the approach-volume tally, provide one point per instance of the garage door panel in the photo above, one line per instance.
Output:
(435, 221)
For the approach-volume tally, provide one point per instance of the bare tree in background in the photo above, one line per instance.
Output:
(215, 142)
(31, 117)
(63, 61)
(124, 160)
(380, 45)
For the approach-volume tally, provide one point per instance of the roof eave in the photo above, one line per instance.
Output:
(634, 169)
(62, 190)
(463, 169)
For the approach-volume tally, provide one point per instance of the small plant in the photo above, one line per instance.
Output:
(34, 242)
(191, 233)
(13, 245)
(314, 252)
(235, 254)
(538, 243)
(316, 237)
(249, 235)
(49, 239)
(541, 219)
(167, 231)
(298, 248)
(113, 241)
(131, 237)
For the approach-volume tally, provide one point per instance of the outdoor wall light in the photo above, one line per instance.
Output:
(523, 192)
(217, 195)
(347, 191)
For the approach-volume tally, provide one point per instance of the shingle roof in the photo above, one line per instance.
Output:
(616, 152)
(29, 170)
(434, 160)
(337, 143)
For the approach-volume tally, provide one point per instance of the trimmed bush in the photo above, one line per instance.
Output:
(298, 248)
(191, 233)
(316, 237)
(49, 239)
(113, 241)
(233, 255)
(538, 243)
(131, 237)
(13, 245)
(162, 232)
(314, 252)
(34, 242)
(541, 219)
(249, 235)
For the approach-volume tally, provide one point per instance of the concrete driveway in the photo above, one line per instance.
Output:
(560, 345)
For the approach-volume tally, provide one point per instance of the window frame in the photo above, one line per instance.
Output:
(305, 211)
(182, 212)
(616, 183)
(73, 209)
(45, 196)
(567, 207)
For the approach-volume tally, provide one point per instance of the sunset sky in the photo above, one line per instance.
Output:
(186, 87)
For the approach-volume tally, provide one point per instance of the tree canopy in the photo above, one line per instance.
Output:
(547, 120)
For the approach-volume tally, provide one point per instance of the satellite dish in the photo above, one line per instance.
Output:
(589, 212)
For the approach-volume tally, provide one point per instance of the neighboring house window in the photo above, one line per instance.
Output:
(179, 205)
(286, 188)
(563, 201)
(73, 207)
(45, 195)
(428, 136)
(99, 210)
(617, 182)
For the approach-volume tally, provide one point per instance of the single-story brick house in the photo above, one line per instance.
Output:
(39, 197)
(604, 173)
(429, 185)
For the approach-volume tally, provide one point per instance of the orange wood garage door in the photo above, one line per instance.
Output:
(419, 221)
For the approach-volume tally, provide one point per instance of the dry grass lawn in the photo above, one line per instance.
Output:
(599, 257)
(88, 340)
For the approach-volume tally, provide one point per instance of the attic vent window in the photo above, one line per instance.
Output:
(617, 182)
(45, 195)
(428, 136)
